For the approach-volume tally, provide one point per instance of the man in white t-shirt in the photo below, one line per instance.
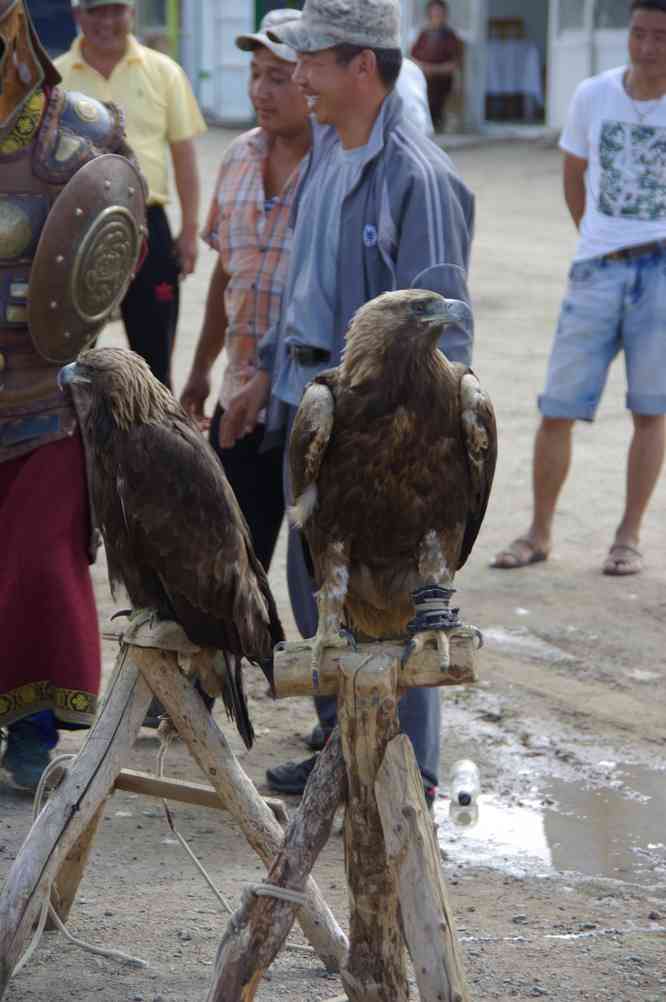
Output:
(615, 189)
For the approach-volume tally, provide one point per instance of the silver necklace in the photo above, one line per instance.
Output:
(642, 115)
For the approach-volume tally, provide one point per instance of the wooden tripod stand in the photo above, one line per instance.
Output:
(397, 893)
(396, 888)
(52, 858)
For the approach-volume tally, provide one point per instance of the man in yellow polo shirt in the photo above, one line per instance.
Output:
(162, 118)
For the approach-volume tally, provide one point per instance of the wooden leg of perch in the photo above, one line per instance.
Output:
(69, 812)
(165, 788)
(210, 749)
(413, 856)
(367, 713)
(70, 873)
(258, 929)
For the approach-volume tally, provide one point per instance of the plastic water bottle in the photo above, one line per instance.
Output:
(465, 786)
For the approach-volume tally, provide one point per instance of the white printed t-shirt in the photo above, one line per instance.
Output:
(625, 179)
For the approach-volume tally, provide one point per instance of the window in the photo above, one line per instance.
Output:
(572, 15)
(611, 14)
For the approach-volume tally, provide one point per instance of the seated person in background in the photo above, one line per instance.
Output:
(438, 52)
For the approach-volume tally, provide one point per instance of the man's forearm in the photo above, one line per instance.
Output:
(574, 187)
(186, 176)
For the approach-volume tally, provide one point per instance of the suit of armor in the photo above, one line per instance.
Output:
(48, 619)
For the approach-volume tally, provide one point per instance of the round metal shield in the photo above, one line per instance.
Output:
(86, 256)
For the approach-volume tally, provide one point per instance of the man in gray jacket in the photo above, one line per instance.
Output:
(380, 208)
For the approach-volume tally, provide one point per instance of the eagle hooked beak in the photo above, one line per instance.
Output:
(447, 312)
(70, 374)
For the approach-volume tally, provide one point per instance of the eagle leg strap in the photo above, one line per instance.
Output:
(433, 610)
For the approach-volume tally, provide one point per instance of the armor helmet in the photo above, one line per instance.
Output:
(24, 64)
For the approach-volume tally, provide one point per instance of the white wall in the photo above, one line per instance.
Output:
(219, 70)
(609, 50)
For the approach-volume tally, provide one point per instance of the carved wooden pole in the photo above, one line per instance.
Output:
(293, 679)
(258, 929)
(368, 718)
(413, 856)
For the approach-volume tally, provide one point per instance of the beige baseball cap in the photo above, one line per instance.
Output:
(374, 24)
(274, 19)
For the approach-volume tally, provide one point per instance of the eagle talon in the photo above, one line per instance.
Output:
(342, 639)
(349, 637)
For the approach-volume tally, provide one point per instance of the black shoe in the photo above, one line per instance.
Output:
(292, 776)
(430, 793)
(154, 714)
(318, 737)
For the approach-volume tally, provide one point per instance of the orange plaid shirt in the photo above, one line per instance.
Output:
(252, 236)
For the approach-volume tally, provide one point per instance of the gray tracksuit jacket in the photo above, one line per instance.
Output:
(407, 223)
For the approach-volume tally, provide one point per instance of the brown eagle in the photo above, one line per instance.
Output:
(392, 456)
(174, 534)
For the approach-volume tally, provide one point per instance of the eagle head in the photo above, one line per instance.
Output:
(397, 327)
(121, 382)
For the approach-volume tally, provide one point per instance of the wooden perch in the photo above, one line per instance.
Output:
(258, 929)
(236, 790)
(293, 676)
(413, 857)
(368, 719)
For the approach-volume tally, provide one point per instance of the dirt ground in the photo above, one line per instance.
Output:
(560, 891)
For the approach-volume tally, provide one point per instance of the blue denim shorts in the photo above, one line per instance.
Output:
(610, 306)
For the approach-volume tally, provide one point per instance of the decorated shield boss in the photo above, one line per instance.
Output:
(86, 257)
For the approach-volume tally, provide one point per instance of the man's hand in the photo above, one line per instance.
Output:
(187, 250)
(240, 418)
(194, 396)
(186, 176)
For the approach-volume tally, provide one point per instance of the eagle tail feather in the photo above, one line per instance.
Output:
(259, 649)
(234, 697)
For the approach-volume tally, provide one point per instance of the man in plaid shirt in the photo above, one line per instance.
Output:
(248, 226)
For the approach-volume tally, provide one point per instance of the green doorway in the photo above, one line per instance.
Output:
(262, 7)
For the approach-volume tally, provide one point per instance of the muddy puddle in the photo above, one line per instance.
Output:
(617, 831)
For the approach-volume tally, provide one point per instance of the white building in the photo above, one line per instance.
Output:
(540, 49)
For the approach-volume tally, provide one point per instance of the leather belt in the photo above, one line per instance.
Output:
(626, 253)
(305, 355)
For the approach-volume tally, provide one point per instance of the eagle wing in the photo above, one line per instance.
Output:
(310, 436)
(479, 431)
(178, 541)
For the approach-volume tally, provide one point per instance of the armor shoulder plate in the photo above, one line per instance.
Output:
(75, 130)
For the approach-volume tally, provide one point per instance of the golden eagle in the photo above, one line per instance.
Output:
(174, 534)
(392, 456)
